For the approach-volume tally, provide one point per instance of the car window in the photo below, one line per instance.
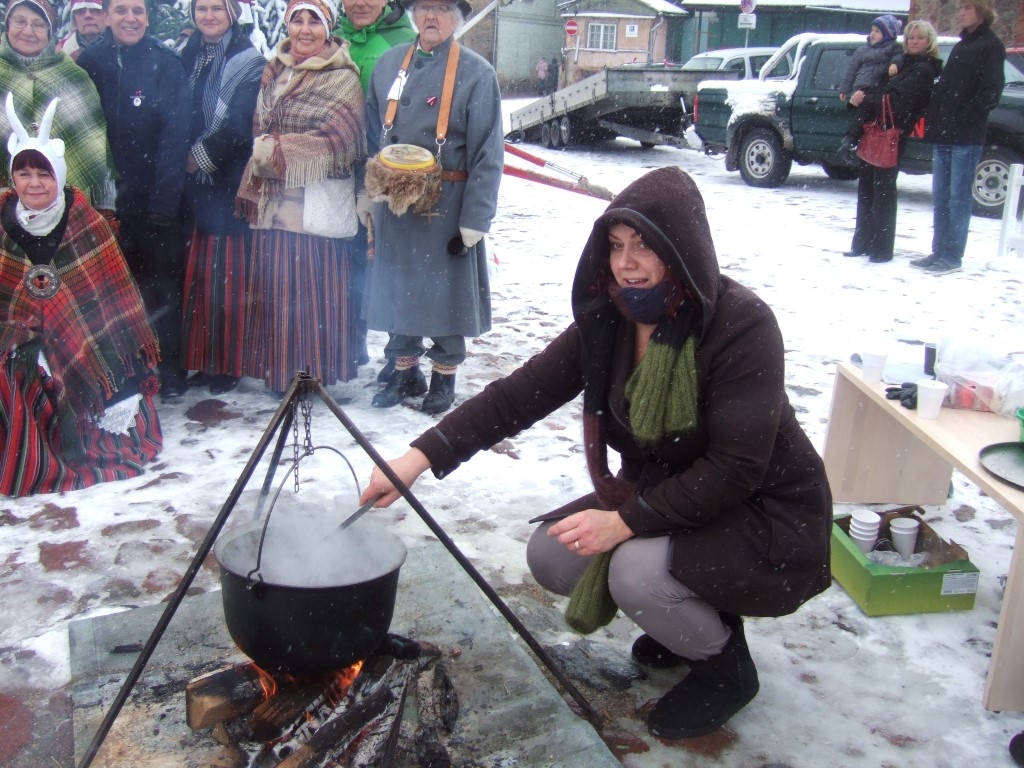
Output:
(736, 65)
(756, 62)
(705, 62)
(831, 67)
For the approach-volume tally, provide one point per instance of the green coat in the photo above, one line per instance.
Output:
(367, 44)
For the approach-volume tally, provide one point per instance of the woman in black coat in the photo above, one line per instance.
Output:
(908, 91)
(224, 72)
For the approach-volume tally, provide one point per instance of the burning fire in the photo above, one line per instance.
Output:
(267, 682)
(343, 680)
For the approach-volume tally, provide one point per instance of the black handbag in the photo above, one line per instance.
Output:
(880, 142)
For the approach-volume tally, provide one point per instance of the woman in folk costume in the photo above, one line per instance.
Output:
(224, 74)
(429, 275)
(297, 193)
(720, 508)
(77, 376)
(36, 74)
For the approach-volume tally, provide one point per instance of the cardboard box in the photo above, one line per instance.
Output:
(947, 582)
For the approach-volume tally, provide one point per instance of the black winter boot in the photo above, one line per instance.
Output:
(409, 382)
(441, 395)
(715, 690)
(384, 374)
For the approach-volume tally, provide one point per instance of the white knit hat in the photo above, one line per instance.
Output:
(51, 149)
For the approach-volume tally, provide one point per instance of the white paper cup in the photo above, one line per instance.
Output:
(903, 531)
(863, 531)
(930, 395)
(872, 366)
(866, 517)
(866, 543)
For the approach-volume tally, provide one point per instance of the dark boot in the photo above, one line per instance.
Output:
(715, 690)
(406, 383)
(651, 653)
(221, 383)
(384, 375)
(441, 395)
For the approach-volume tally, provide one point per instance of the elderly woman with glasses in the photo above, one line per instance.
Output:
(35, 73)
(429, 275)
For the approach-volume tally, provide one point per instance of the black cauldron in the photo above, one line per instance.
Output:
(290, 622)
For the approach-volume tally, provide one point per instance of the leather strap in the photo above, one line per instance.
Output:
(446, 94)
(454, 176)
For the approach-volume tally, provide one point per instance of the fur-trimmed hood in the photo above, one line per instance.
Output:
(652, 205)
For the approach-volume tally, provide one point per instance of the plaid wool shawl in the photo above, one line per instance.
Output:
(94, 330)
(316, 118)
(78, 122)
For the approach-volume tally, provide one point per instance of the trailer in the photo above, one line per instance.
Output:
(650, 104)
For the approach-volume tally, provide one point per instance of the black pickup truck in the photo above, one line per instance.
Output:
(763, 126)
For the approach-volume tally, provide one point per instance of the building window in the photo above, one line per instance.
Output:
(601, 36)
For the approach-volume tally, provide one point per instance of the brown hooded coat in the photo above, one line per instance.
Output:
(744, 495)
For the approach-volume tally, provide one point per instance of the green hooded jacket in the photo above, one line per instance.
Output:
(367, 44)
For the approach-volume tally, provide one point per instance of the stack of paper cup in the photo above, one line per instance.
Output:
(864, 525)
(903, 531)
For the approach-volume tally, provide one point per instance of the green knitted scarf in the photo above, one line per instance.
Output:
(662, 391)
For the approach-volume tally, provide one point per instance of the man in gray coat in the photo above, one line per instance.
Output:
(429, 276)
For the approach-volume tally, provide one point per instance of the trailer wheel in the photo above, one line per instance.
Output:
(763, 161)
(565, 132)
(545, 135)
(556, 134)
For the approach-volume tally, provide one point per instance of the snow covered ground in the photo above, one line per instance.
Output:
(837, 688)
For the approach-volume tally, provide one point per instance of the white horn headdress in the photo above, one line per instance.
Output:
(51, 149)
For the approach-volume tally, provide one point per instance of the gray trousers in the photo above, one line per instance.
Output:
(643, 589)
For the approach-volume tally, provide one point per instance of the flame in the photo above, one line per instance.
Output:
(342, 681)
(267, 682)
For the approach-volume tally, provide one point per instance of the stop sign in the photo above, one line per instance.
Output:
(571, 27)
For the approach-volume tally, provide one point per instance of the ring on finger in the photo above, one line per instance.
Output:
(576, 544)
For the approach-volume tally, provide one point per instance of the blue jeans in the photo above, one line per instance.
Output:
(952, 178)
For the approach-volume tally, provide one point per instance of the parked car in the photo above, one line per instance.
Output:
(747, 61)
(763, 126)
(1016, 57)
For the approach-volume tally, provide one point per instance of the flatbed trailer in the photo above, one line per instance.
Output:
(650, 104)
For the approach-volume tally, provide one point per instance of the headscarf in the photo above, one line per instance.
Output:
(325, 10)
(39, 222)
(42, 7)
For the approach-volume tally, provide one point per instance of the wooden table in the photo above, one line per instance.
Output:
(877, 451)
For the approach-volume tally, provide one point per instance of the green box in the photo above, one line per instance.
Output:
(949, 585)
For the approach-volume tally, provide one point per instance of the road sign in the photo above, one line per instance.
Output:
(571, 27)
(746, 21)
(748, 6)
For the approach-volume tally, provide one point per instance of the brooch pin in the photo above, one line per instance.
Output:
(432, 101)
(42, 282)
(137, 98)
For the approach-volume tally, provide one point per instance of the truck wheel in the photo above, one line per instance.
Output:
(840, 172)
(990, 181)
(556, 135)
(545, 135)
(565, 132)
(763, 161)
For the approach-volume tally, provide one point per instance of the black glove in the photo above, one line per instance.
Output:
(906, 393)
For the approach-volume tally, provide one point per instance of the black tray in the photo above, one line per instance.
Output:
(1005, 461)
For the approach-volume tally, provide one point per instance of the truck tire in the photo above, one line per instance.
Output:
(545, 135)
(555, 133)
(840, 172)
(565, 131)
(989, 189)
(763, 162)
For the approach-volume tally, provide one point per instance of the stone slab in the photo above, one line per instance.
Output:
(510, 714)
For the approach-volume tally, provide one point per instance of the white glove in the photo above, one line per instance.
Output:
(364, 210)
(470, 237)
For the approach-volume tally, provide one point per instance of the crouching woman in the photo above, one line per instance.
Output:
(720, 509)
(78, 353)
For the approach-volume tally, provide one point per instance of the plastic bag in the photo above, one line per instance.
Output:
(980, 377)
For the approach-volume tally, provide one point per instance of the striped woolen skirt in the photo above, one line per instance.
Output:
(31, 457)
(300, 314)
(213, 310)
